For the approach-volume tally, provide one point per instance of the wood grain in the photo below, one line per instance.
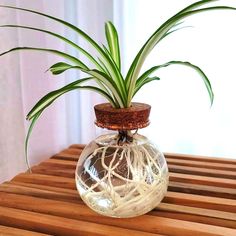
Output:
(201, 200)
(9, 231)
(55, 225)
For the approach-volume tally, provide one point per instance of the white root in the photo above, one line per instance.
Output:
(140, 189)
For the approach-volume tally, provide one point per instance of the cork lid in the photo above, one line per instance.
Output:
(134, 117)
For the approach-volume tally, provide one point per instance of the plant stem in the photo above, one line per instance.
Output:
(124, 137)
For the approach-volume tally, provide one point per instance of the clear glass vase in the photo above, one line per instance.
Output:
(122, 175)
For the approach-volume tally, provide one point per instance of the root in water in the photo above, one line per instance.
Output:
(126, 180)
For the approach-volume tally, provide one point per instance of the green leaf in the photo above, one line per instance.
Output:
(101, 92)
(110, 84)
(100, 83)
(60, 37)
(186, 9)
(114, 74)
(71, 26)
(59, 53)
(101, 78)
(59, 68)
(175, 30)
(107, 51)
(105, 69)
(185, 63)
(113, 42)
(120, 83)
(202, 75)
(194, 6)
(35, 118)
(149, 72)
(140, 84)
(50, 97)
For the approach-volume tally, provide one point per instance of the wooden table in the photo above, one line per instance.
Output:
(201, 201)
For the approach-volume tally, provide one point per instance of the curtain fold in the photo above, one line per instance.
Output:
(11, 107)
(23, 81)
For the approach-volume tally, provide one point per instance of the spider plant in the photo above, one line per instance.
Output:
(118, 89)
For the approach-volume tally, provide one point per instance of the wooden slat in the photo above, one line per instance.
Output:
(60, 226)
(209, 165)
(70, 154)
(41, 191)
(195, 218)
(9, 231)
(200, 158)
(78, 146)
(54, 181)
(205, 190)
(73, 151)
(202, 171)
(197, 211)
(54, 171)
(205, 202)
(203, 180)
(44, 187)
(66, 164)
(66, 156)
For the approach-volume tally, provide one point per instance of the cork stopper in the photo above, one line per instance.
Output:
(134, 117)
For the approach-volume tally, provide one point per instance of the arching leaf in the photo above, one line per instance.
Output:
(205, 79)
(139, 85)
(59, 53)
(60, 37)
(113, 42)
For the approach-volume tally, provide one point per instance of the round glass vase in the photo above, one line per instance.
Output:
(122, 174)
